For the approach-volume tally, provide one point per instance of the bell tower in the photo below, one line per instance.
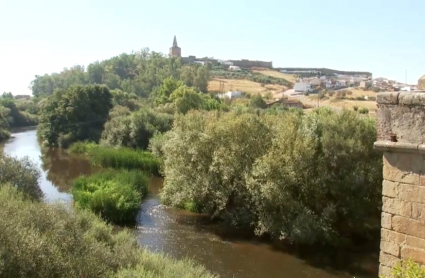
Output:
(175, 51)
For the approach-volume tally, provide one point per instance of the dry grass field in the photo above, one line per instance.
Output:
(243, 85)
(290, 77)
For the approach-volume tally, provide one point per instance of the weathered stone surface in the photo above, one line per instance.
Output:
(412, 193)
(385, 271)
(415, 254)
(386, 220)
(389, 188)
(388, 260)
(409, 98)
(415, 242)
(408, 226)
(396, 206)
(394, 237)
(402, 167)
(418, 211)
(390, 248)
(387, 98)
(406, 121)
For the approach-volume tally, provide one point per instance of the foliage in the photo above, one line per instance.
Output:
(135, 130)
(113, 195)
(135, 73)
(186, 98)
(309, 178)
(407, 269)
(258, 102)
(17, 118)
(21, 173)
(4, 122)
(207, 159)
(77, 113)
(124, 99)
(118, 158)
(45, 240)
(364, 110)
(162, 94)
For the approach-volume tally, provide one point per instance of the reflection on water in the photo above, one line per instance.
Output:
(182, 234)
(58, 168)
(176, 233)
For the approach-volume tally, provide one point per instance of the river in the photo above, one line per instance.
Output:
(178, 233)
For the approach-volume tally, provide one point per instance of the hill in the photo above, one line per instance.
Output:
(326, 71)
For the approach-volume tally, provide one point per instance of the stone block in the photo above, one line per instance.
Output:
(415, 254)
(415, 242)
(408, 226)
(418, 211)
(412, 193)
(396, 206)
(387, 98)
(386, 220)
(388, 260)
(409, 98)
(390, 248)
(404, 168)
(385, 271)
(390, 188)
(394, 237)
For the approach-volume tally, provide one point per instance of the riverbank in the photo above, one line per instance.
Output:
(180, 234)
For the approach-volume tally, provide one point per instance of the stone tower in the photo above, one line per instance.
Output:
(175, 51)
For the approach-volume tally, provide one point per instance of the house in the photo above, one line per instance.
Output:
(234, 68)
(341, 83)
(231, 94)
(315, 81)
(302, 87)
(365, 84)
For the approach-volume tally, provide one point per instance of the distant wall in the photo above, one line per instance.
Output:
(250, 64)
(403, 188)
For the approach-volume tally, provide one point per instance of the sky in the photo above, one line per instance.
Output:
(383, 37)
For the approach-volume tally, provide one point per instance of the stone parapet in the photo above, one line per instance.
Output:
(401, 138)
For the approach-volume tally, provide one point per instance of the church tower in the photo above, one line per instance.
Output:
(175, 51)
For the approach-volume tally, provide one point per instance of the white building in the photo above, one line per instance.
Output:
(302, 87)
(234, 68)
(231, 95)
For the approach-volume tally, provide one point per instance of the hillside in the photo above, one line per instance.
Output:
(326, 71)
(243, 85)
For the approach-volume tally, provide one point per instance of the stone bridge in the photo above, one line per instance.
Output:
(401, 138)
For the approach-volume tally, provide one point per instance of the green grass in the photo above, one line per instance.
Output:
(117, 158)
(48, 240)
(113, 195)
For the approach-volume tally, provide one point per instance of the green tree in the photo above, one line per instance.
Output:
(257, 101)
(186, 98)
(163, 92)
(77, 113)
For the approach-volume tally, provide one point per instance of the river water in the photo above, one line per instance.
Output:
(178, 233)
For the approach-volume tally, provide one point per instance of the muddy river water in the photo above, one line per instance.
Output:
(176, 233)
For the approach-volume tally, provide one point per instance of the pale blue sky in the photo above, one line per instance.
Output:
(44, 36)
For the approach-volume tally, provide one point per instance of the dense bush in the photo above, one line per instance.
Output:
(118, 158)
(44, 240)
(21, 173)
(364, 110)
(306, 178)
(75, 114)
(18, 118)
(135, 130)
(113, 195)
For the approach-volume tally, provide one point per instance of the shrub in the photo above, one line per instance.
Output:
(118, 158)
(113, 195)
(135, 131)
(21, 173)
(364, 110)
(45, 240)
(257, 101)
(355, 108)
(407, 269)
(309, 178)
